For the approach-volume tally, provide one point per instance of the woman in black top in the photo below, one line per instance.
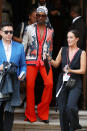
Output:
(73, 61)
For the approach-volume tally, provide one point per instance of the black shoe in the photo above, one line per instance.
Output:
(26, 119)
(78, 127)
(45, 121)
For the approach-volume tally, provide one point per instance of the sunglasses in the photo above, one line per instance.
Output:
(8, 31)
(43, 16)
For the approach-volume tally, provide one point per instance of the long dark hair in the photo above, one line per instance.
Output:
(75, 32)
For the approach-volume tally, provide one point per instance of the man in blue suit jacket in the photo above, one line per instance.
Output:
(11, 52)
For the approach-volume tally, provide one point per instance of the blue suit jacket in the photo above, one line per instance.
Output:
(17, 56)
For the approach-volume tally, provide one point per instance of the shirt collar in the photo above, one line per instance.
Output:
(5, 44)
(76, 19)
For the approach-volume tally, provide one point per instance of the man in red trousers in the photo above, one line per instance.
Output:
(37, 41)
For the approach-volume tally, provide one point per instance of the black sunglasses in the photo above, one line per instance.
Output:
(8, 31)
(39, 15)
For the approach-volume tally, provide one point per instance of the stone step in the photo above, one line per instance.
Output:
(54, 124)
(36, 126)
(19, 112)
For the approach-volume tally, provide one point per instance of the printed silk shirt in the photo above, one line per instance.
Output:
(35, 51)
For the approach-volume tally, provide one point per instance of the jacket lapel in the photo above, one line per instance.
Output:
(2, 51)
(13, 51)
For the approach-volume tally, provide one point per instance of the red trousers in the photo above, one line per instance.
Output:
(43, 107)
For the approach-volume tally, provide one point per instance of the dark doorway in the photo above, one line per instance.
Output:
(20, 10)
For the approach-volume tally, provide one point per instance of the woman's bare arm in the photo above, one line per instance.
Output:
(56, 63)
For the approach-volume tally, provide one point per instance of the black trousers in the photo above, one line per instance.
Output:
(68, 108)
(6, 119)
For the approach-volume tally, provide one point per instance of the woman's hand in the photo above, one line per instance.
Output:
(66, 69)
(49, 58)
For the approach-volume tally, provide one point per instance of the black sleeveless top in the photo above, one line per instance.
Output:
(75, 64)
